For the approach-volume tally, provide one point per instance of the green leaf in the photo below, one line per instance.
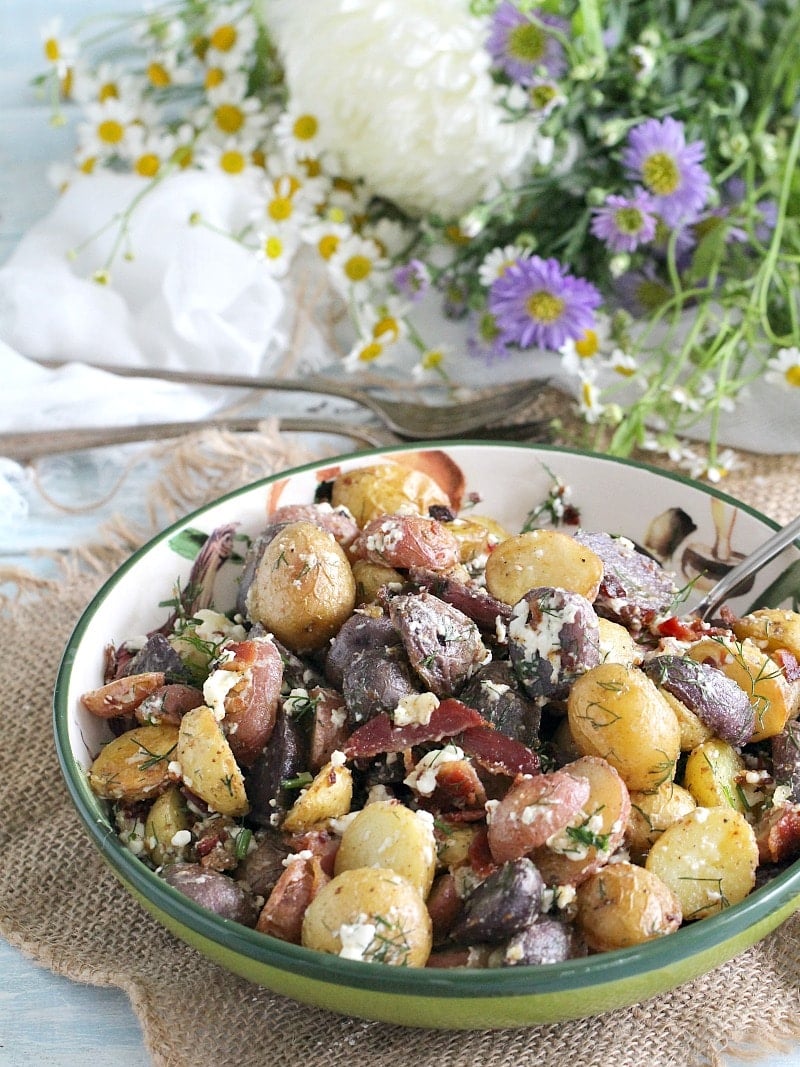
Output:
(708, 254)
(188, 542)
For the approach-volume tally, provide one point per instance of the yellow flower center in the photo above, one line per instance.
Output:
(305, 127)
(224, 38)
(183, 156)
(527, 43)
(258, 157)
(660, 174)
(370, 351)
(625, 370)
(432, 359)
(792, 375)
(214, 76)
(273, 248)
(358, 268)
(111, 131)
(67, 83)
(229, 118)
(286, 185)
(280, 208)
(158, 75)
(542, 96)
(387, 328)
(327, 245)
(52, 50)
(88, 165)
(587, 395)
(312, 167)
(147, 165)
(232, 161)
(544, 307)
(108, 91)
(629, 220)
(588, 345)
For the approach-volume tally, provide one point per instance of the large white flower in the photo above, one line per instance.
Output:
(404, 97)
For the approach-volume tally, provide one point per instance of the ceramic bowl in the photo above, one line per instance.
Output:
(685, 525)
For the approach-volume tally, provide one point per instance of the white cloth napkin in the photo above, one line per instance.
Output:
(181, 295)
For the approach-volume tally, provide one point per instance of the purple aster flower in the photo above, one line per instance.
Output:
(669, 169)
(484, 340)
(412, 280)
(625, 222)
(537, 304)
(520, 45)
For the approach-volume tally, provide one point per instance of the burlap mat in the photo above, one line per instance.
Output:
(60, 904)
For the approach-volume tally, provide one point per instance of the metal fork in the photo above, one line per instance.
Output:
(412, 420)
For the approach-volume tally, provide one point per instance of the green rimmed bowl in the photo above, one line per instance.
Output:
(681, 522)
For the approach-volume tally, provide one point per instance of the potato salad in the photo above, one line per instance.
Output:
(420, 739)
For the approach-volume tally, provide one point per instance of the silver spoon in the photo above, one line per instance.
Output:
(753, 562)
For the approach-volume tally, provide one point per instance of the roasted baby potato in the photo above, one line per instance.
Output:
(624, 905)
(328, 797)
(542, 558)
(135, 765)
(385, 489)
(207, 764)
(303, 589)
(388, 834)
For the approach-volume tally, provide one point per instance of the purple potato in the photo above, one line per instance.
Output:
(719, 703)
(284, 757)
(495, 692)
(786, 759)
(443, 645)
(360, 632)
(553, 637)
(375, 681)
(213, 890)
(502, 905)
(544, 941)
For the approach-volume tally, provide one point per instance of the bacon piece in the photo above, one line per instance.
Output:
(379, 735)
(778, 834)
(473, 600)
(497, 752)
(457, 787)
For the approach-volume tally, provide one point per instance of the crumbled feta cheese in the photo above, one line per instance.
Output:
(216, 688)
(304, 854)
(423, 777)
(356, 938)
(415, 708)
(181, 838)
(338, 759)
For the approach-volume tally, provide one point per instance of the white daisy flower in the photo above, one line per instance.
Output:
(356, 264)
(297, 133)
(150, 151)
(326, 237)
(230, 36)
(589, 403)
(233, 157)
(276, 248)
(432, 363)
(784, 368)
(59, 49)
(622, 364)
(583, 357)
(96, 85)
(109, 128)
(497, 262)
(230, 112)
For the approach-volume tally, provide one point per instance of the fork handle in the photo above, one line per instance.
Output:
(27, 446)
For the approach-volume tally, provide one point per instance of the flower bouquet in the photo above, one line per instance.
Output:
(610, 185)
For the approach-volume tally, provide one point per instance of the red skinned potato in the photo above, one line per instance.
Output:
(406, 541)
(533, 809)
(282, 914)
(249, 703)
(123, 695)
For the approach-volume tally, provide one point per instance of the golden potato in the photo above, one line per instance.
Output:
(453, 842)
(388, 834)
(328, 797)
(693, 730)
(386, 489)
(652, 813)
(372, 914)
(208, 766)
(303, 589)
(712, 774)
(476, 535)
(624, 905)
(542, 558)
(167, 817)
(773, 698)
(617, 645)
(370, 577)
(135, 765)
(617, 713)
(771, 629)
(708, 858)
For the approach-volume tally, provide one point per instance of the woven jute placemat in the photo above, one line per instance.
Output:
(60, 904)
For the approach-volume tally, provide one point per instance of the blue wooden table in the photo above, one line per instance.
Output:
(46, 1020)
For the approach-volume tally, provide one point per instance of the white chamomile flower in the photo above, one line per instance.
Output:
(325, 237)
(109, 128)
(167, 68)
(356, 264)
(95, 85)
(432, 363)
(622, 364)
(582, 356)
(233, 157)
(230, 35)
(311, 190)
(589, 403)
(150, 151)
(276, 248)
(231, 113)
(297, 133)
(784, 368)
(497, 262)
(284, 203)
(60, 50)
(391, 235)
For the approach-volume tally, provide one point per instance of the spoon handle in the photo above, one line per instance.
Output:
(749, 565)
